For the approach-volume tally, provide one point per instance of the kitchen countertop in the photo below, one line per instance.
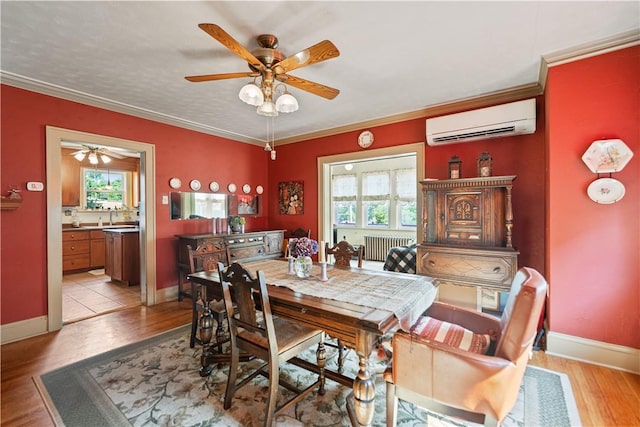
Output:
(69, 227)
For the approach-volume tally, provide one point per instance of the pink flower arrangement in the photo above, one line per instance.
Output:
(303, 246)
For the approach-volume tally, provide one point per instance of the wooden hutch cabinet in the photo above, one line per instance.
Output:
(467, 232)
(242, 247)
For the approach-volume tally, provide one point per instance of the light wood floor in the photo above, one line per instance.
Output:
(605, 397)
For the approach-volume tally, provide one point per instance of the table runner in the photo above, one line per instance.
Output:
(407, 296)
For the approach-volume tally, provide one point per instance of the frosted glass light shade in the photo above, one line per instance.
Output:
(286, 103)
(93, 158)
(105, 158)
(268, 108)
(251, 94)
(79, 156)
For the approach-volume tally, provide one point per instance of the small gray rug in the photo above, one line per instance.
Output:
(156, 382)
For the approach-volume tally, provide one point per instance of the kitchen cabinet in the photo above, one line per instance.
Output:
(122, 255)
(467, 232)
(76, 249)
(97, 248)
(70, 169)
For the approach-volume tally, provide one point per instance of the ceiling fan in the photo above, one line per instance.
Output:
(270, 65)
(94, 153)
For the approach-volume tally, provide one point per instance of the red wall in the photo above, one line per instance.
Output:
(594, 249)
(179, 152)
(519, 155)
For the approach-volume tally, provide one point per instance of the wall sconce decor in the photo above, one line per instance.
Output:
(455, 167)
(485, 164)
(606, 156)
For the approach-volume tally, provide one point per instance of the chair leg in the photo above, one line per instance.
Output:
(392, 406)
(194, 315)
(232, 377)
(274, 381)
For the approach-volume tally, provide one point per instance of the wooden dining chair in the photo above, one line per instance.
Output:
(204, 258)
(343, 252)
(256, 331)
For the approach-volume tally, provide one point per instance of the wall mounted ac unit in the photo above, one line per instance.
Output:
(514, 118)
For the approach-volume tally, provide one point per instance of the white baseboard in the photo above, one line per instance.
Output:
(23, 329)
(167, 294)
(595, 352)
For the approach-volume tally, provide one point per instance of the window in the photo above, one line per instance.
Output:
(378, 198)
(105, 189)
(344, 190)
(375, 197)
(405, 190)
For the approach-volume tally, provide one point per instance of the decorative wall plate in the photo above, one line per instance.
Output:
(194, 184)
(213, 186)
(259, 189)
(175, 183)
(246, 189)
(607, 156)
(365, 139)
(231, 187)
(606, 190)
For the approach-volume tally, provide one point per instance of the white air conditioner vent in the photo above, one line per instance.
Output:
(515, 118)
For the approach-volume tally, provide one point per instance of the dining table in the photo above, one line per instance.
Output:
(353, 305)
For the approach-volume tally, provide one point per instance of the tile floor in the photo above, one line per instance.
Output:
(89, 294)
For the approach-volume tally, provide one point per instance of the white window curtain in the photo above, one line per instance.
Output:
(375, 185)
(345, 187)
(406, 185)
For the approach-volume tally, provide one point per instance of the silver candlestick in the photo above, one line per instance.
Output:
(291, 269)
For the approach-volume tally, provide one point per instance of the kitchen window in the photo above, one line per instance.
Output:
(105, 189)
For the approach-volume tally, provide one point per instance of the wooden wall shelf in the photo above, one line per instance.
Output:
(8, 204)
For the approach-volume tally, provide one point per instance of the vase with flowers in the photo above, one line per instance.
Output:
(302, 248)
(236, 223)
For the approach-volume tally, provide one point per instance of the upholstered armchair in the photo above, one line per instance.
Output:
(477, 375)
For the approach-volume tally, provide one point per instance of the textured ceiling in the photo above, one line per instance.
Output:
(395, 57)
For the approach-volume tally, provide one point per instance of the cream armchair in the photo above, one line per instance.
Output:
(478, 387)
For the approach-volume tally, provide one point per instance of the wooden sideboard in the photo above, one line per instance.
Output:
(467, 232)
(242, 247)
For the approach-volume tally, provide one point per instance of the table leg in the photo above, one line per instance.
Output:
(364, 387)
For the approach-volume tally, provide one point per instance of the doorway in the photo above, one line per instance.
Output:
(325, 164)
(54, 138)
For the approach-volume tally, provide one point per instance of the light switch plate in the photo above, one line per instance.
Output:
(165, 200)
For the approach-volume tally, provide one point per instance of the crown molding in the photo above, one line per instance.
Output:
(44, 88)
(587, 50)
(610, 44)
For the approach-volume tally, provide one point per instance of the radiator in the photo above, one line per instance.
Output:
(377, 247)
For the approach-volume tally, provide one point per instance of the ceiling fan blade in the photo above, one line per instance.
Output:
(210, 77)
(232, 44)
(78, 152)
(309, 86)
(317, 53)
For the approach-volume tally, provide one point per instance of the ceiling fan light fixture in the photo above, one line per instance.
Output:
(286, 103)
(93, 158)
(79, 156)
(251, 94)
(268, 109)
(105, 158)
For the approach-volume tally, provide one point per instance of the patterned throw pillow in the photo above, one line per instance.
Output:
(450, 334)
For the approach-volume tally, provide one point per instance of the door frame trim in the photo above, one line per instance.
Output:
(54, 138)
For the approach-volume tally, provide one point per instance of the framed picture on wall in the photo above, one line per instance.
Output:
(248, 205)
(291, 197)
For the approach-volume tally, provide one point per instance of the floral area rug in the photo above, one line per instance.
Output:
(156, 382)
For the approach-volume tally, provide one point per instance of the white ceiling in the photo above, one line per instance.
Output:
(395, 57)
